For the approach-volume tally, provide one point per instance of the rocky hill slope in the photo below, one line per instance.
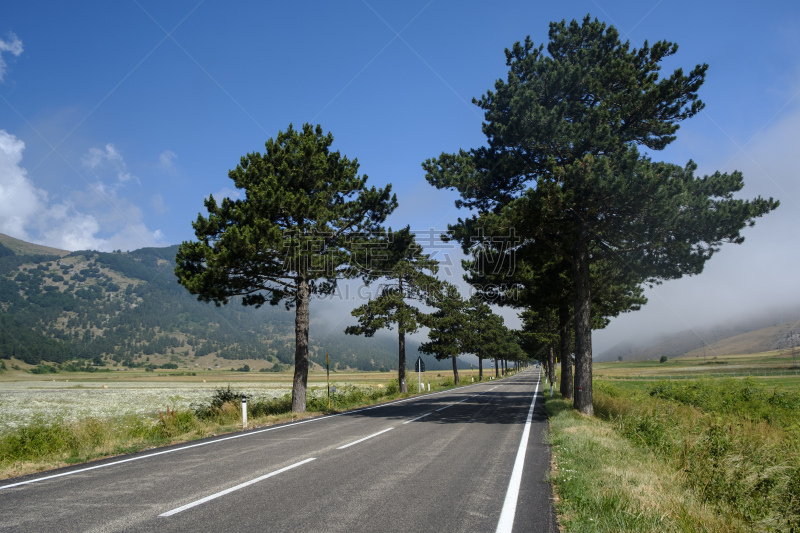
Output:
(128, 309)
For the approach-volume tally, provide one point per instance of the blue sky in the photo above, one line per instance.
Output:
(118, 118)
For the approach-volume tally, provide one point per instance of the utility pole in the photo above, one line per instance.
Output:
(791, 336)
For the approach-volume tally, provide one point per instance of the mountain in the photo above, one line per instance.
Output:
(760, 333)
(17, 247)
(127, 308)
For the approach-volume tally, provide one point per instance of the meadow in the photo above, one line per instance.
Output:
(76, 395)
(681, 446)
(775, 365)
(80, 416)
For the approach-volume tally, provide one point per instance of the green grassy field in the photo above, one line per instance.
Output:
(682, 446)
(773, 367)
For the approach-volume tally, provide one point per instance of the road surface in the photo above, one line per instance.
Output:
(469, 459)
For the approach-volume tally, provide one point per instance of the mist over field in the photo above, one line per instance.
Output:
(741, 283)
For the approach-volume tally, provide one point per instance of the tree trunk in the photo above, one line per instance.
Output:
(401, 368)
(583, 327)
(551, 365)
(455, 370)
(496, 368)
(564, 348)
(401, 371)
(480, 368)
(301, 347)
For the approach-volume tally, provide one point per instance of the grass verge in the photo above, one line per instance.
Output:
(654, 461)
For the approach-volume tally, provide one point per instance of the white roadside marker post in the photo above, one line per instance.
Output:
(244, 411)
(419, 368)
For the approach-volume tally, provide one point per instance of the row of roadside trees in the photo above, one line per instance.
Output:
(307, 221)
(567, 221)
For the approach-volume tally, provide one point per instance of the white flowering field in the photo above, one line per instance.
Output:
(22, 402)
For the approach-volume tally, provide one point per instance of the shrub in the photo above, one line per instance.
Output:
(173, 423)
(274, 406)
(36, 440)
(44, 369)
(393, 387)
(223, 396)
(344, 397)
(223, 404)
(378, 393)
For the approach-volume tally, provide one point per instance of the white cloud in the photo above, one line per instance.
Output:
(14, 46)
(95, 218)
(108, 160)
(20, 201)
(166, 161)
(97, 157)
(72, 230)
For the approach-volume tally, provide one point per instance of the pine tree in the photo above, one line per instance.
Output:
(305, 218)
(448, 325)
(485, 332)
(405, 273)
(561, 166)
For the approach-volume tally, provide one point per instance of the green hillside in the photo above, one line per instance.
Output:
(128, 309)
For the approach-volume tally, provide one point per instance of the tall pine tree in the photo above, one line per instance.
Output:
(305, 221)
(406, 274)
(561, 165)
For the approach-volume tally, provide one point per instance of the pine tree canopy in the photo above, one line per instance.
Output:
(306, 211)
(561, 169)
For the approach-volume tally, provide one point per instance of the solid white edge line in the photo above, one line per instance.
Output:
(506, 522)
(365, 438)
(215, 441)
(232, 489)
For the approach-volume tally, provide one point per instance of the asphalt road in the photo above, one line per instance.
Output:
(471, 459)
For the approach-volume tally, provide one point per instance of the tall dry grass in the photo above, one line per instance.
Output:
(742, 460)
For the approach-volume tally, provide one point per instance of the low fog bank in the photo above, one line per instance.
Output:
(699, 339)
